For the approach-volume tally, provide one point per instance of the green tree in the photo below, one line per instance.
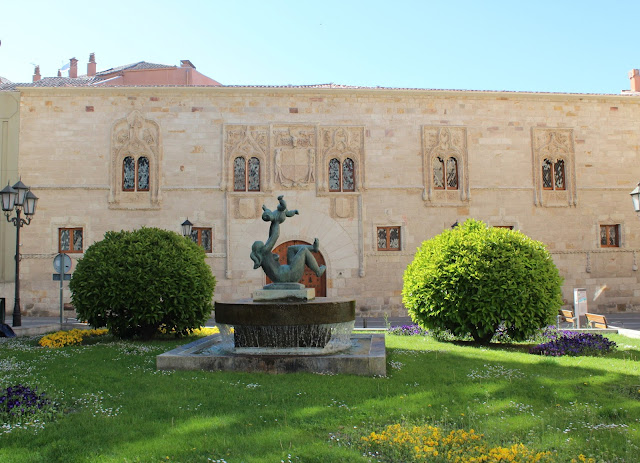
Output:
(135, 282)
(474, 278)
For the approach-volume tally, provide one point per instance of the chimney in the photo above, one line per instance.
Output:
(634, 76)
(73, 68)
(91, 65)
(36, 74)
(59, 73)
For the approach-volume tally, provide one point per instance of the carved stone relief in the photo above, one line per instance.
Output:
(135, 137)
(245, 208)
(555, 145)
(248, 141)
(444, 143)
(341, 143)
(294, 153)
(342, 208)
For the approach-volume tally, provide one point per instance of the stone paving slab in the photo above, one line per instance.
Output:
(366, 357)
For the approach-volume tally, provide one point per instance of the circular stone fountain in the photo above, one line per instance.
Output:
(283, 328)
(312, 327)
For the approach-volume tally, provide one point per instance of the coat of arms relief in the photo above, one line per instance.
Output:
(294, 156)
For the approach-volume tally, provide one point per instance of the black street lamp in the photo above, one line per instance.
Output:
(18, 198)
(186, 228)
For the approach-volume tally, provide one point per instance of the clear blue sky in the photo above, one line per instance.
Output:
(558, 46)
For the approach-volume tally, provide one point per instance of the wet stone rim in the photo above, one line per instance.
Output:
(321, 310)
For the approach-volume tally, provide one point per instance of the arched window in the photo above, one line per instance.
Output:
(143, 174)
(334, 175)
(452, 174)
(348, 175)
(135, 175)
(246, 175)
(342, 178)
(553, 176)
(254, 174)
(450, 169)
(128, 174)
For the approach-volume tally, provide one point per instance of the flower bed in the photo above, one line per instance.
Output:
(20, 404)
(398, 442)
(574, 344)
(67, 338)
(408, 330)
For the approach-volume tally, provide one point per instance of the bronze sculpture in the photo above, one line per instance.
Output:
(297, 255)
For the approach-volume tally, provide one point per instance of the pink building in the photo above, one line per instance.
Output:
(135, 74)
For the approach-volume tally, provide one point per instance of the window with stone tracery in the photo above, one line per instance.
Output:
(553, 175)
(388, 238)
(348, 176)
(342, 177)
(135, 175)
(445, 175)
(246, 174)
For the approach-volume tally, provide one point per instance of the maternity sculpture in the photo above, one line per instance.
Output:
(297, 255)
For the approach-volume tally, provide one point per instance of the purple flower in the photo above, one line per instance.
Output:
(575, 343)
(407, 330)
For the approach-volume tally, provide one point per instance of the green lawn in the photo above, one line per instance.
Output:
(119, 408)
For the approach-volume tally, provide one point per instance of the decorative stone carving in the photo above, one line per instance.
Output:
(444, 143)
(341, 143)
(342, 208)
(294, 151)
(555, 145)
(245, 208)
(248, 141)
(135, 137)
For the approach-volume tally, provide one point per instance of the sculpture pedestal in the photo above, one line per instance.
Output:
(305, 294)
(284, 292)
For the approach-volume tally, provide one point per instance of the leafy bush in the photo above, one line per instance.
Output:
(135, 282)
(474, 278)
(574, 344)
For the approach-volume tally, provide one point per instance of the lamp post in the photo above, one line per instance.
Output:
(186, 228)
(635, 197)
(18, 198)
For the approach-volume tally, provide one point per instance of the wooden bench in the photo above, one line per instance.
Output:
(596, 321)
(567, 316)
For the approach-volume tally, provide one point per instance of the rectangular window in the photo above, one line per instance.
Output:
(203, 236)
(70, 240)
(510, 227)
(388, 238)
(609, 236)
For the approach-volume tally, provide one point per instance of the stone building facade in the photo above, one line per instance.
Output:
(374, 172)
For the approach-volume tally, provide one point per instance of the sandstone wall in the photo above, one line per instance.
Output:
(69, 144)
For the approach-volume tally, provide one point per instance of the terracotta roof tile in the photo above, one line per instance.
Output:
(134, 67)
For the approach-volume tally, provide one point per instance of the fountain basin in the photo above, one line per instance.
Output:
(318, 311)
(317, 326)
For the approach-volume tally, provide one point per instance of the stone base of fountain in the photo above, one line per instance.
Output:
(281, 337)
(365, 357)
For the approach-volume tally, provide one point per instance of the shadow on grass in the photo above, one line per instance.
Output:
(195, 416)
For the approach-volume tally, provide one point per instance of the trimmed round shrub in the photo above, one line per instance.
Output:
(136, 282)
(473, 279)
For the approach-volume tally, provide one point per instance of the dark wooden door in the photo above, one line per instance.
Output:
(309, 278)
